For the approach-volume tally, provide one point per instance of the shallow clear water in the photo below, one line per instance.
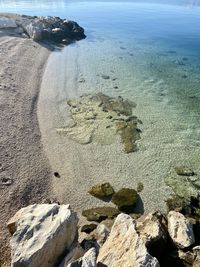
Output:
(152, 52)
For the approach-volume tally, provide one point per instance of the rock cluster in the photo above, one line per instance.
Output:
(46, 235)
(51, 29)
(101, 118)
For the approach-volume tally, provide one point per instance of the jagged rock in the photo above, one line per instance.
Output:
(73, 255)
(88, 260)
(101, 234)
(102, 190)
(152, 228)
(41, 233)
(190, 258)
(125, 199)
(100, 213)
(124, 247)
(88, 228)
(183, 170)
(51, 29)
(180, 230)
(196, 251)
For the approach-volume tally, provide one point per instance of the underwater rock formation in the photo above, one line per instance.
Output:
(101, 118)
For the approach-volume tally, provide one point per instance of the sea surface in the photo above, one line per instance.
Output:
(151, 52)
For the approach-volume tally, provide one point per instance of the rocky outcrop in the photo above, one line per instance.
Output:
(180, 230)
(40, 29)
(41, 234)
(46, 236)
(51, 29)
(124, 247)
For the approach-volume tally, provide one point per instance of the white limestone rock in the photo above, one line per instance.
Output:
(124, 247)
(41, 233)
(88, 260)
(180, 230)
(152, 228)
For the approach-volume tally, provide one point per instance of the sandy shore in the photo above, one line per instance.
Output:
(24, 169)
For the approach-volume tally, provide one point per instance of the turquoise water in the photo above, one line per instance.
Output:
(151, 52)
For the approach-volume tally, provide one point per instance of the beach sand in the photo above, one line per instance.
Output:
(24, 168)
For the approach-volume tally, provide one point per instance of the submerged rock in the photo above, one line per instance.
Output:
(183, 170)
(100, 213)
(183, 186)
(41, 233)
(101, 190)
(125, 199)
(101, 118)
(140, 187)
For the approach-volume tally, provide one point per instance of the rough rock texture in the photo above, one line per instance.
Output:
(124, 247)
(183, 170)
(125, 199)
(52, 29)
(88, 260)
(101, 190)
(74, 254)
(100, 213)
(180, 230)
(101, 118)
(152, 228)
(41, 233)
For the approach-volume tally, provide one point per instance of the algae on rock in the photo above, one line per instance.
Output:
(101, 118)
(184, 187)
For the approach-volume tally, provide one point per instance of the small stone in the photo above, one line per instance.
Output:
(100, 213)
(183, 170)
(125, 199)
(101, 190)
(88, 228)
(140, 187)
(106, 77)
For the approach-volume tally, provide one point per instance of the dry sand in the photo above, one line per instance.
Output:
(24, 168)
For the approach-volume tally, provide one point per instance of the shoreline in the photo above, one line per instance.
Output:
(24, 169)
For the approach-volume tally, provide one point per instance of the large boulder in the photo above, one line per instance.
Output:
(124, 247)
(180, 230)
(41, 234)
(51, 29)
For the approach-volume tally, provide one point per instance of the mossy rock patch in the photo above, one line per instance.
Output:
(184, 171)
(101, 190)
(100, 213)
(125, 199)
(100, 118)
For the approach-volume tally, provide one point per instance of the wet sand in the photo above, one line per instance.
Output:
(24, 169)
